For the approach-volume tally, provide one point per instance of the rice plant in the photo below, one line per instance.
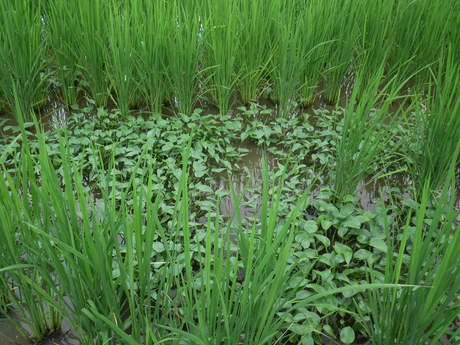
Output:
(374, 38)
(23, 279)
(288, 60)
(439, 140)
(74, 269)
(222, 45)
(21, 53)
(152, 43)
(315, 42)
(368, 127)
(428, 252)
(121, 59)
(63, 39)
(183, 54)
(341, 29)
(256, 51)
(92, 48)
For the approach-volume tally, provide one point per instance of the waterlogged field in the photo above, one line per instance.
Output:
(230, 172)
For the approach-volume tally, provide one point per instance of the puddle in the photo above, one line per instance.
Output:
(250, 176)
(9, 335)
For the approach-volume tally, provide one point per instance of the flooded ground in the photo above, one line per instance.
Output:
(9, 335)
(249, 175)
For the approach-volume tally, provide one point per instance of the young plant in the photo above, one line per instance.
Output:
(152, 42)
(342, 31)
(374, 43)
(62, 38)
(368, 127)
(122, 58)
(257, 21)
(92, 48)
(315, 42)
(439, 141)
(21, 54)
(428, 257)
(183, 55)
(20, 253)
(222, 46)
(288, 60)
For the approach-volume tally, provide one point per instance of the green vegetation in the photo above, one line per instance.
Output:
(423, 315)
(162, 180)
(178, 52)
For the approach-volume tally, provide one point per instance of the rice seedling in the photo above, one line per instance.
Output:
(56, 220)
(23, 280)
(183, 55)
(433, 38)
(439, 141)
(152, 31)
(262, 257)
(92, 48)
(122, 58)
(288, 59)
(4, 295)
(63, 39)
(152, 259)
(222, 45)
(368, 127)
(342, 31)
(374, 43)
(428, 252)
(21, 53)
(417, 36)
(257, 22)
(315, 41)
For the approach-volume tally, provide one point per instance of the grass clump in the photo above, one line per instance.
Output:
(439, 139)
(428, 253)
(22, 52)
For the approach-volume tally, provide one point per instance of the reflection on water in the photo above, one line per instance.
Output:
(369, 193)
(249, 177)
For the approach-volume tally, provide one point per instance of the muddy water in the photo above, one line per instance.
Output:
(9, 335)
(248, 177)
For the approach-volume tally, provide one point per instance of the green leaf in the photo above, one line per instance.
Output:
(326, 224)
(328, 330)
(323, 239)
(379, 244)
(311, 227)
(354, 223)
(347, 335)
(158, 247)
(363, 254)
(344, 250)
(307, 340)
(304, 240)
